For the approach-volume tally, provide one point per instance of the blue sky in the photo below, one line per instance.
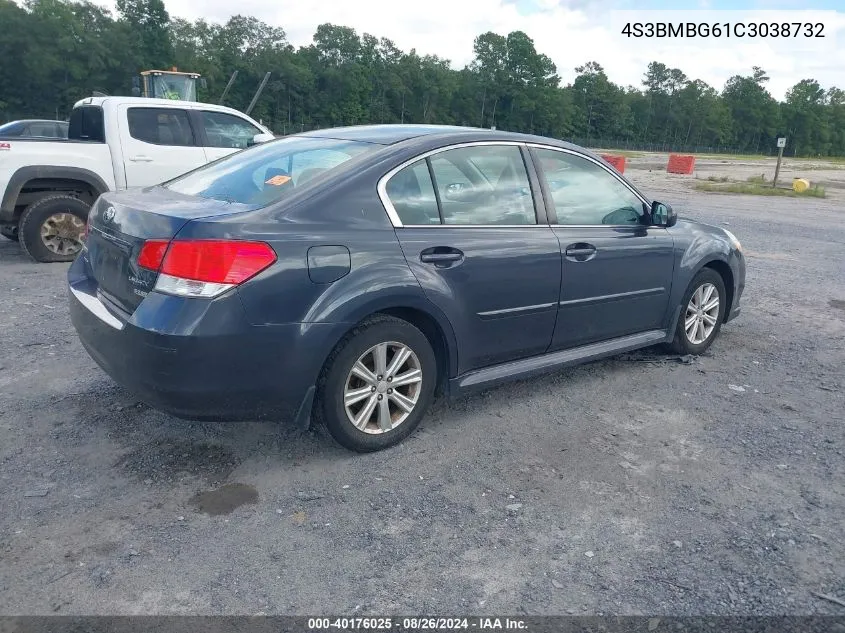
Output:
(571, 32)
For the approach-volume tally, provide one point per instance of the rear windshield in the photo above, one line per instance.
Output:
(264, 174)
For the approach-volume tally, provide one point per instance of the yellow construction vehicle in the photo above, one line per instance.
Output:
(167, 84)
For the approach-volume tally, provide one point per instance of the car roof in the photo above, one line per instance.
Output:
(35, 121)
(390, 133)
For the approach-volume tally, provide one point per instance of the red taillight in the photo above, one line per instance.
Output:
(211, 261)
(152, 254)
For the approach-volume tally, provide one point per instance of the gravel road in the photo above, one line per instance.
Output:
(637, 485)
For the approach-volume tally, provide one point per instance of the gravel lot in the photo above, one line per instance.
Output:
(637, 485)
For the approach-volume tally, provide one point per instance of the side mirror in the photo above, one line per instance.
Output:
(136, 86)
(203, 83)
(663, 214)
(258, 139)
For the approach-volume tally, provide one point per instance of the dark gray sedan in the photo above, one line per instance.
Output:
(350, 274)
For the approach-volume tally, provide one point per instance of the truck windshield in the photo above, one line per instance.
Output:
(167, 86)
(264, 174)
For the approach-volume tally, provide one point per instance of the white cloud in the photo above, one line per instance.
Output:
(571, 33)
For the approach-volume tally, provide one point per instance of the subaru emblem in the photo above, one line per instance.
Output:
(108, 214)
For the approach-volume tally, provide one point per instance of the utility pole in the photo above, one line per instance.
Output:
(257, 93)
(228, 85)
(781, 145)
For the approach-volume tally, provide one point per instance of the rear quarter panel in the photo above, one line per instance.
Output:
(350, 216)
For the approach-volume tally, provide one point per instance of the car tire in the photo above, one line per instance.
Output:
(695, 330)
(9, 231)
(389, 421)
(52, 228)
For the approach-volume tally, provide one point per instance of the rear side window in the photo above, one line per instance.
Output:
(86, 124)
(160, 126)
(412, 195)
(264, 174)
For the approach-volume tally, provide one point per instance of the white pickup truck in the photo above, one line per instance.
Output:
(48, 185)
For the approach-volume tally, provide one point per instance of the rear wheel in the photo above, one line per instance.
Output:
(52, 229)
(702, 313)
(377, 385)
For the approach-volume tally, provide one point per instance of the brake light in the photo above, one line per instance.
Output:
(152, 254)
(204, 268)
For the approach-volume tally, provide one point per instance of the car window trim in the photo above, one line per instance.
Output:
(550, 207)
(396, 221)
(187, 112)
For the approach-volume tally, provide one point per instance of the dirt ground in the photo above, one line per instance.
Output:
(636, 485)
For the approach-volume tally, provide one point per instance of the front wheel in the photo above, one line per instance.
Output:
(52, 229)
(702, 313)
(377, 385)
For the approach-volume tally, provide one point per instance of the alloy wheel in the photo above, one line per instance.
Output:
(383, 387)
(702, 313)
(62, 233)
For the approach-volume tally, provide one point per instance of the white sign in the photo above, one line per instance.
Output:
(782, 142)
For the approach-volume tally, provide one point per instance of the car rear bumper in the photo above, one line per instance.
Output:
(197, 359)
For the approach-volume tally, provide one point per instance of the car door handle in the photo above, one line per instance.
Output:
(580, 252)
(441, 256)
(141, 159)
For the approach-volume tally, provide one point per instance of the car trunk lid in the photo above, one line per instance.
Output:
(118, 226)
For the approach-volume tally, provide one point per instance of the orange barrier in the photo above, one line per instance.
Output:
(681, 164)
(617, 161)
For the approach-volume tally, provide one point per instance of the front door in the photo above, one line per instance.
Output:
(617, 269)
(470, 233)
(158, 144)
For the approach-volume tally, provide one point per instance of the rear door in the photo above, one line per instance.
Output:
(480, 248)
(225, 133)
(158, 143)
(617, 268)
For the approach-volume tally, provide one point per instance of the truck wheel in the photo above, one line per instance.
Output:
(9, 231)
(52, 229)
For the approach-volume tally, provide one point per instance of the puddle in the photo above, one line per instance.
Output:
(224, 499)
(837, 303)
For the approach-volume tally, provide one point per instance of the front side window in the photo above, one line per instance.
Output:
(587, 194)
(227, 130)
(264, 174)
(160, 126)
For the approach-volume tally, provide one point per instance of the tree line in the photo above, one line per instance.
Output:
(55, 52)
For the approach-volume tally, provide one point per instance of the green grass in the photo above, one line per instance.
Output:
(759, 189)
(839, 160)
(733, 156)
(757, 180)
(718, 178)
